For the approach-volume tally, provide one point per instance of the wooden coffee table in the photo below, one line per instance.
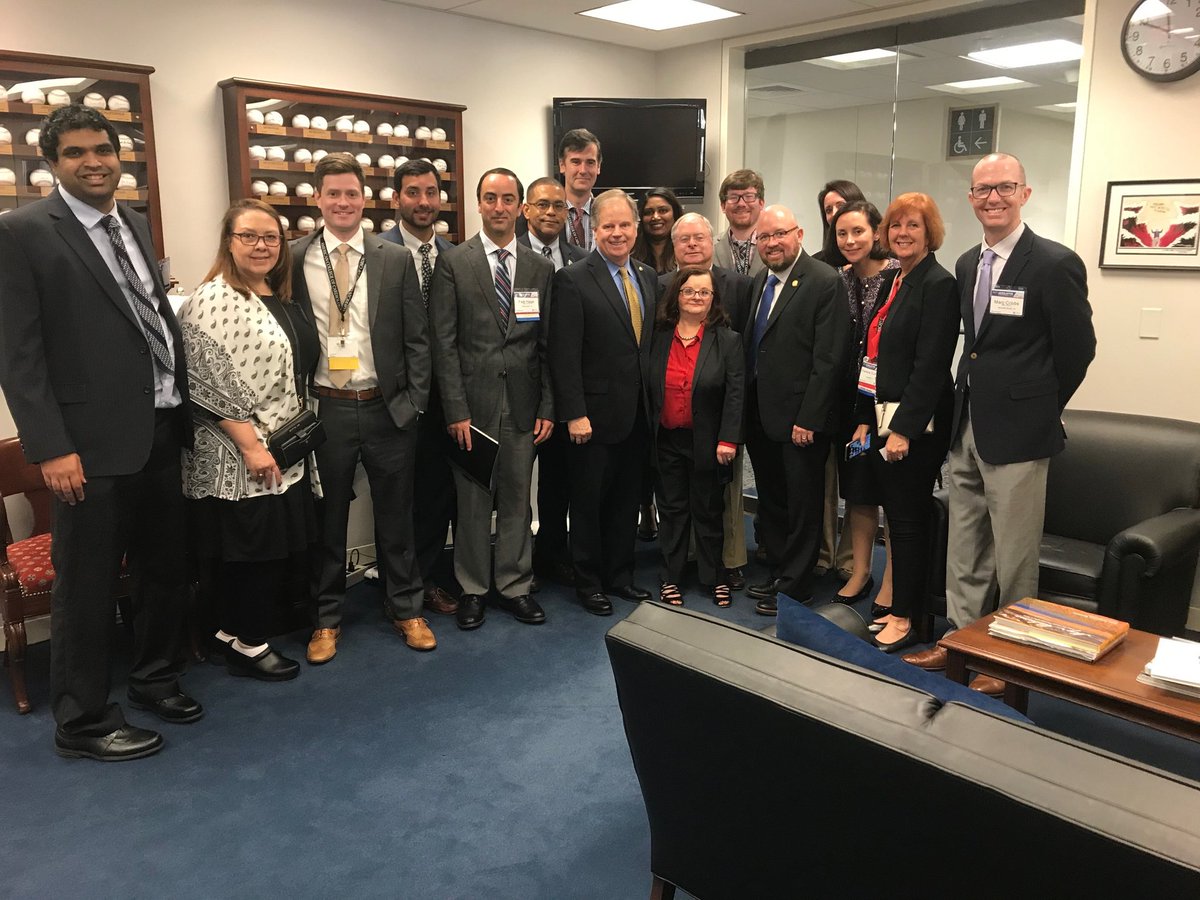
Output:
(1109, 684)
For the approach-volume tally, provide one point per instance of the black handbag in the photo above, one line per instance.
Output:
(303, 433)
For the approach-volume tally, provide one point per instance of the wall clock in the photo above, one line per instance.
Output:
(1161, 39)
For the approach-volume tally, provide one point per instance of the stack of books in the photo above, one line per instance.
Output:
(1063, 629)
(1175, 667)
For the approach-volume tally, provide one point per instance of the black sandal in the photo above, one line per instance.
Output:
(721, 596)
(669, 593)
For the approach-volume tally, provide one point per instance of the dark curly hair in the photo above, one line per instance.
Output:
(75, 117)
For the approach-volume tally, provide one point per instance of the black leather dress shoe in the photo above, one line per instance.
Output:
(127, 742)
(861, 595)
(471, 612)
(765, 589)
(267, 666)
(177, 709)
(767, 606)
(630, 592)
(735, 578)
(524, 609)
(597, 604)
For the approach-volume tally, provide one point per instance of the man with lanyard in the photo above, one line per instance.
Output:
(372, 381)
(579, 162)
(742, 202)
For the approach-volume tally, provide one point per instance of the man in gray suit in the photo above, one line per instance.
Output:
(372, 382)
(488, 313)
(742, 202)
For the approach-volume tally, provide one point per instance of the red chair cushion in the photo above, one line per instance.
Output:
(30, 559)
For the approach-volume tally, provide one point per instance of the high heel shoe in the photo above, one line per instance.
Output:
(861, 595)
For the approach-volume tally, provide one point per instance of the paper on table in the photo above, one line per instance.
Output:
(1176, 660)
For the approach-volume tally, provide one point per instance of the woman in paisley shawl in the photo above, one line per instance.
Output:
(250, 351)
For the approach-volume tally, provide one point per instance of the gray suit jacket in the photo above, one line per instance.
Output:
(723, 255)
(399, 328)
(477, 356)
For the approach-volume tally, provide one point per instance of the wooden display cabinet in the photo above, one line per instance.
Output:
(240, 96)
(78, 77)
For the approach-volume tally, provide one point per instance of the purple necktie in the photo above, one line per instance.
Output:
(983, 289)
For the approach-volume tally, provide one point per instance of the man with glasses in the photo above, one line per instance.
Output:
(796, 338)
(742, 202)
(1028, 342)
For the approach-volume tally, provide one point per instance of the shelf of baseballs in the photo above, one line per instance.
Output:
(44, 109)
(12, 190)
(348, 137)
(284, 200)
(20, 151)
(274, 165)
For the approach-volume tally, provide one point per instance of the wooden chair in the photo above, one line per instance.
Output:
(26, 572)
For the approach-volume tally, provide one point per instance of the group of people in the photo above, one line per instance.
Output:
(602, 339)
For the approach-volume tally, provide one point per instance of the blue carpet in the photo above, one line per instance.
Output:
(494, 767)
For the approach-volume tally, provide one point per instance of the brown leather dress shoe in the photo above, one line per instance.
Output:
(322, 646)
(985, 684)
(438, 601)
(416, 633)
(932, 660)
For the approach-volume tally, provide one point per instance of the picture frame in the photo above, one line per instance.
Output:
(1152, 225)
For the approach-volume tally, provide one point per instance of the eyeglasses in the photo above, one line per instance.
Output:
(545, 206)
(250, 239)
(702, 293)
(746, 197)
(774, 235)
(1003, 189)
(686, 239)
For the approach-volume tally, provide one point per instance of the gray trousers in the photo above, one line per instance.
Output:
(996, 518)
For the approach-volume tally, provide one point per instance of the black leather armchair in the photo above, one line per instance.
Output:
(1122, 532)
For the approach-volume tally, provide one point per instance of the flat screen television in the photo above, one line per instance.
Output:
(645, 143)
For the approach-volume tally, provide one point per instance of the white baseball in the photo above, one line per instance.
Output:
(278, 154)
(274, 117)
(387, 161)
(283, 220)
(257, 151)
(386, 194)
(277, 189)
(118, 102)
(440, 164)
(400, 131)
(254, 116)
(32, 135)
(302, 155)
(320, 123)
(33, 95)
(58, 97)
(363, 160)
(319, 155)
(423, 133)
(441, 227)
(41, 178)
(125, 141)
(368, 225)
(387, 224)
(305, 223)
(5, 135)
(343, 124)
(127, 182)
(258, 188)
(95, 100)
(304, 189)
(438, 134)
(7, 176)
(383, 129)
(445, 197)
(300, 120)
(362, 126)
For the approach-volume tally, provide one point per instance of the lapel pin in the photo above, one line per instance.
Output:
(796, 282)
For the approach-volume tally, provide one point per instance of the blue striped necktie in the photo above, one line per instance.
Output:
(503, 285)
(147, 310)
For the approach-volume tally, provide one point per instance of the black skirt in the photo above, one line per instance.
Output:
(274, 526)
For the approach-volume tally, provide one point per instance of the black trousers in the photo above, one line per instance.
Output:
(688, 500)
(434, 498)
(606, 487)
(141, 517)
(791, 500)
(553, 500)
(364, 430)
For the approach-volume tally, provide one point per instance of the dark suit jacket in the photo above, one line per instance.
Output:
(718, 391)
(74, 364)
(732, 288)
(477, 357)
(596, 362)
(398, 325)
(1023, 369)
(569, 252)
(393, 235)
(802, 357)
(916, 349)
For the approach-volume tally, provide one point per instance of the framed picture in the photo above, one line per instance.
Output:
(1151, 225)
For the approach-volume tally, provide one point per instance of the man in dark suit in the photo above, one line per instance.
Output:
(692, 237)
(418, 202)
(546, 214)
(796, 346)
(1028, 343)
(372, 382)
(92, 366)
(599, 335)
(488, 313)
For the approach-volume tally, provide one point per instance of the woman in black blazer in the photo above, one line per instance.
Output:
(910, 344)
(695, 386)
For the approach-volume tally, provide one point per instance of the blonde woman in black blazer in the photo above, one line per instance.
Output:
(694, 388)
(911, 339)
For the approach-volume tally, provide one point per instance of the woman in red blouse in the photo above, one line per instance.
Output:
(695, 387)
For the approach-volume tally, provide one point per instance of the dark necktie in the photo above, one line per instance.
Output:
(426, 273)
(503, 286)
(547, 252)
(147, 310)
(760, 323)
(983, 290)
(576, 237)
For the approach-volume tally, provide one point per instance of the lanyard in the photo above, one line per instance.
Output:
(337, 296)
(880, 317)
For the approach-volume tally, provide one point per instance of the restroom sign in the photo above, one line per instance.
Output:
(972, 132)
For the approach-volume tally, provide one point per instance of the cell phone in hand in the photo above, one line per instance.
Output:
(857, 448)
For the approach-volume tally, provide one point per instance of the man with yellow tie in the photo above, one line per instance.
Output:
(371, 383)
(599, 336)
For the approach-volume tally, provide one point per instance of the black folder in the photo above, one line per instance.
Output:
(477, 463)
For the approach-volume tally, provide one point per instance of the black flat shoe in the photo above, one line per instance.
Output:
(861, 595)
(524, 609)
(127, 742)
(909, 640)
(878, 612)
(178, 709)
(630, 592)
(471, 612)
(597, 604)
(267, 666)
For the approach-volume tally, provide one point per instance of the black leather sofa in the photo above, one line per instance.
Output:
(771, 771)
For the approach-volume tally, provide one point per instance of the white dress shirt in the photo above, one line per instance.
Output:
(555, 251)
(412, 244)
(1003, 250)
(316, 276)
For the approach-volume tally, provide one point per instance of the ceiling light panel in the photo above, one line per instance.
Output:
(1019, 56)
(659, 15)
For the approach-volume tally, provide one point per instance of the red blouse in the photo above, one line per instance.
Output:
(681, 370)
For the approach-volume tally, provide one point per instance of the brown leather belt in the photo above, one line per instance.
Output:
(337, 394)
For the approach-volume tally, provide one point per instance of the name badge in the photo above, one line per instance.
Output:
(525, 306)
(343, 353)
(866, 377)
(1007, 302)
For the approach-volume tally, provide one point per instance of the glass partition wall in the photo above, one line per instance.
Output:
(913, 107)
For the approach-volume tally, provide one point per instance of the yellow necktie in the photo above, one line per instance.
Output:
(635, 308)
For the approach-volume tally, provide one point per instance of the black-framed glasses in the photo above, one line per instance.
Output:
(702, 293)
(545, 206)
(746, 197)
(251, 239)
(1003, 189)
(779, 235)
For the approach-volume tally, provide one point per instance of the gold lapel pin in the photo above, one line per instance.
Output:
(796, 283)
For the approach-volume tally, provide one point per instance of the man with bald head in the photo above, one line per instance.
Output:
(1028, 341)
(796, 339)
